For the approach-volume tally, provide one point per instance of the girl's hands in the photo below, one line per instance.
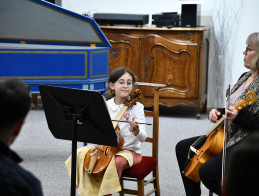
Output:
(134, 128)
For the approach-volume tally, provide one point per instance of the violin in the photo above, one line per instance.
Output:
(213, 144)
(97, 159)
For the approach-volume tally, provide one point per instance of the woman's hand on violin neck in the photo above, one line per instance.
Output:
(231, 113)
(213, 115)
(134, 128)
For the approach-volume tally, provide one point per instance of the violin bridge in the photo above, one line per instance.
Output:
(194, 150)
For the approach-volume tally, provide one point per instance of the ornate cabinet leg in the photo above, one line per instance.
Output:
(198, 108)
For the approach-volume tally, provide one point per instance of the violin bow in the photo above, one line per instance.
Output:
(225, 136)
(129, 122)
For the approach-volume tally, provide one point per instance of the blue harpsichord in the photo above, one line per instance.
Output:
(42, 43)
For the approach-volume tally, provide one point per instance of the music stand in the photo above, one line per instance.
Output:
(77, 115)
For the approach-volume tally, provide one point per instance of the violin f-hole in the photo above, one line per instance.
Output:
(106, 149)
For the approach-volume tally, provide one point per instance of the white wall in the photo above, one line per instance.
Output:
(240, 18)
(122, 6)
(248, 24)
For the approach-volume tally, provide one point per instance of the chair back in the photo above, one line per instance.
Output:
(148, 164)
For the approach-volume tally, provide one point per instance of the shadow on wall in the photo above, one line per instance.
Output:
(223, 23)
(215, 70)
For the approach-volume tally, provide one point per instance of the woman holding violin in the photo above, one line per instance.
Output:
(239, 124)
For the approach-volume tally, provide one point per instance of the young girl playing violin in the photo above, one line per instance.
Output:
(121, 83)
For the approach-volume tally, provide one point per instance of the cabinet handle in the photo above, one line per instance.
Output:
(115, 51)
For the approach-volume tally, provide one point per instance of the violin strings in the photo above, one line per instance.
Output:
(198, 141)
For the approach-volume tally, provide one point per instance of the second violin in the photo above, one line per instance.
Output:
(213, 144)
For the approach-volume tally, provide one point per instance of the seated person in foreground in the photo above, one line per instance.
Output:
(15, 102)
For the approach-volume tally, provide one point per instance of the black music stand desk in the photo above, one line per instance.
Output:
(77, 115)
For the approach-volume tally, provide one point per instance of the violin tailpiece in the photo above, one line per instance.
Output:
(92, 164)
(194, 150)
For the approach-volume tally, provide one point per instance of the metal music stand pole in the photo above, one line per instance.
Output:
(73, 165)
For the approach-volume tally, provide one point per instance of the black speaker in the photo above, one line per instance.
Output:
(190, 15)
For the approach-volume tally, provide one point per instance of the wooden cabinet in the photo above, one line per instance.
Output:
(177, 57)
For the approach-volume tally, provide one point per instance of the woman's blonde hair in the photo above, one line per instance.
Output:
(253, 39)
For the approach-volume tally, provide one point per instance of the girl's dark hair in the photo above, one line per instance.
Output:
(115, 75)
(118, 72)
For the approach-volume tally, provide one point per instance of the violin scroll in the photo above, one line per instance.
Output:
(132, 101)
(250, 98)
